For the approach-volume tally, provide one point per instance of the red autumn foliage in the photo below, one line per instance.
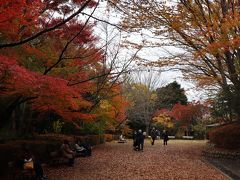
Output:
(185, 114)
(163, 111)
(182, 112)
(188, 113)
(16, 16)
(226, 136)
(120, 104)
(54, 71)
(48, 93)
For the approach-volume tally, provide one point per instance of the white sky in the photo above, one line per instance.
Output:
(166, 77)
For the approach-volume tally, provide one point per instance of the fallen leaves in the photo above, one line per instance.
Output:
(179, 160)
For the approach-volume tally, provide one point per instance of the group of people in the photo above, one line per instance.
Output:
(139, 136)
(72, 150)
(68, 150)
(155, 133)
(138, 140)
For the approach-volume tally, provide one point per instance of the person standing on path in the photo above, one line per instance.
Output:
(153, 135)
(165, 137)
(135, 140)
(140, 140)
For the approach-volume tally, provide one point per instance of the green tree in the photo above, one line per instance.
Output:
(222, 106)
(170, 95)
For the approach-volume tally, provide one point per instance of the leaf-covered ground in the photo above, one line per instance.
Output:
(179, 160)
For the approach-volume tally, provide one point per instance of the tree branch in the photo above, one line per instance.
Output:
(13, 44)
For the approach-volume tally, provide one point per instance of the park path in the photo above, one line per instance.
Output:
(179, 160)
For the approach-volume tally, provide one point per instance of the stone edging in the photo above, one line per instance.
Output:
(226, 172)
(204, 160)
(220, 154)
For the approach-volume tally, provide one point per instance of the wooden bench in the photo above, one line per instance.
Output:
(187, 137)
(171, 137)
(56, 158)
(122, 141)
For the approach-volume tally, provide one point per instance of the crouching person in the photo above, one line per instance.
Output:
(68, 153)
(29, 162)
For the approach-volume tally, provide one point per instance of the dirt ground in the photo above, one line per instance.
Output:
(179, 160)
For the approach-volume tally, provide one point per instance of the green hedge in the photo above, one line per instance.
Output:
(227, 136)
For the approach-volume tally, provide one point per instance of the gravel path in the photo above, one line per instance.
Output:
(179, 160)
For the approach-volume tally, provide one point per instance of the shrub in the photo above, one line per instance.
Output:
(57, 126)
(108, 137)
(199, 131)
(13, 151)
(40, 146)
(227, 136)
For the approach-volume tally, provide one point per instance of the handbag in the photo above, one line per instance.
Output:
(28, 165)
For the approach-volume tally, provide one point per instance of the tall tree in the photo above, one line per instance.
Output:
(170, 95)
(141, 108)
(51, 63)
(206, 32)
(220, 109)
(188, 115)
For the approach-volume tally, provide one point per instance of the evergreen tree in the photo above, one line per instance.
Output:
(170, 95)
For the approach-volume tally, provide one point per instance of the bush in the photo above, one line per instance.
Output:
(93, 139)
(227, 136)
(40, 146)
(13, 151)
(108, 137)
(199, 131)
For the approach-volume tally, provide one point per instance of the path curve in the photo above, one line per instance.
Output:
(179, 160)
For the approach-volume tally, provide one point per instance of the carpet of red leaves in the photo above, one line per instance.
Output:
(179, 160)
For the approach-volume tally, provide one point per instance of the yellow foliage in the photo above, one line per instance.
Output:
(163, 119)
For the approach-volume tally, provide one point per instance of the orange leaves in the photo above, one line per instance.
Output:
(205, 34)
(183, 114)
(120, 104)
(115, 107)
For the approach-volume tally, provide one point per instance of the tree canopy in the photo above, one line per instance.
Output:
(205, 33)
(170, 95)
(50, 64)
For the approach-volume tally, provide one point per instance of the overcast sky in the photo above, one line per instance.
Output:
(151, 54)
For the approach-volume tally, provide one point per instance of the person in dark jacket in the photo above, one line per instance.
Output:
(135, 140)
(140, 140)
(87, 145)
(165, 137)
(153, 135)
